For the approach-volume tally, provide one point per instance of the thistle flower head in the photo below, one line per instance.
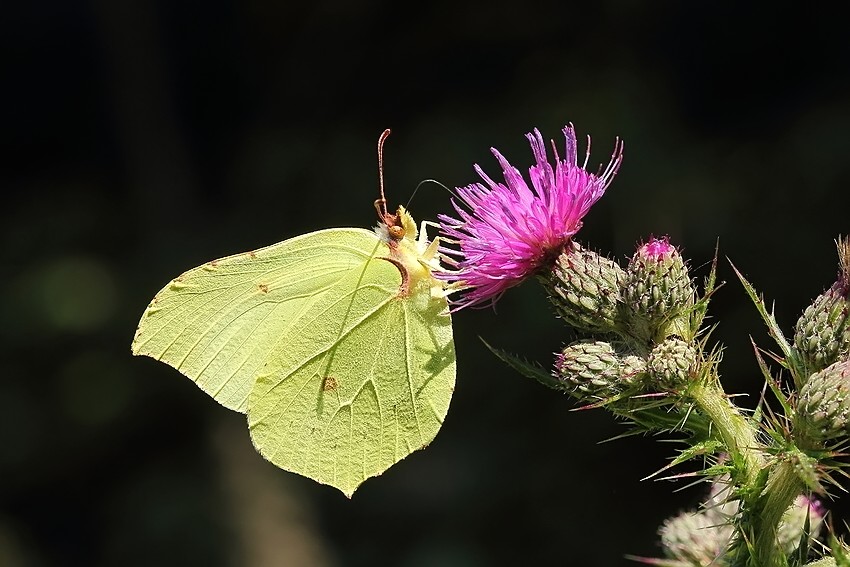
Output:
(505, 232)
(657, 249)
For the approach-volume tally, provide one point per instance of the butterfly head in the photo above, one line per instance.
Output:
(395, 227)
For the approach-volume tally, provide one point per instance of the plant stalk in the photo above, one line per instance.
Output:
(737, 434)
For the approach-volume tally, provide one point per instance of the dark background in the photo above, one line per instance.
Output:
(140, 139)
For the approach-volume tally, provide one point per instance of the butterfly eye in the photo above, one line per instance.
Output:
(396, 231)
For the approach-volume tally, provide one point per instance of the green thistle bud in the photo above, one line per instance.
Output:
(671, 362)
(822, 334)
(658, 293)
(630, 366)
(794, 522)
(823, 409)
(593, 369)
(701, 537)
(721, 506)
(695, 538)
(585, 288)
(823, 562)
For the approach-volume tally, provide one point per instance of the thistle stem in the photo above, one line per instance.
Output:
(737, 434)
(747, 453)
(783, 486)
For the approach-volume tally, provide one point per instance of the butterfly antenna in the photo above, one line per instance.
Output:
(449, 190)
(381, 204)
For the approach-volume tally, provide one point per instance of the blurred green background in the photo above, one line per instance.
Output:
(142, 138)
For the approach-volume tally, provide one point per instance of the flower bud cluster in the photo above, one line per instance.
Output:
(630, 321)
(648, 301)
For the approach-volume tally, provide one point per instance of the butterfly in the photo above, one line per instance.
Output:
(337, 344)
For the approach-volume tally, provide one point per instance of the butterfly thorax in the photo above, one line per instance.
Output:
(414, 256)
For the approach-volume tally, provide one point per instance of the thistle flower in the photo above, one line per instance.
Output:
(506, 232)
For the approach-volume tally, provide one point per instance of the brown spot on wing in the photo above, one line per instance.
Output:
(263, 287)
(329, 384)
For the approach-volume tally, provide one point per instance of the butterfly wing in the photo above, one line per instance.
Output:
(221, 323)
(365, 379)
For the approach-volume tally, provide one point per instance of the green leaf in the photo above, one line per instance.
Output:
(768, 317)
(337, 344)
(774, 385)
(791, 359)
(527, 369)
(700, 308)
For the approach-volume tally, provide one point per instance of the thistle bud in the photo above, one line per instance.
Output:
(794, 522)
(695, 538)
(670, 363)
(701, 537)
(593, 369)
(658, 291)
(585, 288)
(823, 409)
(822, 334)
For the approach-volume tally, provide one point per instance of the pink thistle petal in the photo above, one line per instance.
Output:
(505, 232)
(657, 248)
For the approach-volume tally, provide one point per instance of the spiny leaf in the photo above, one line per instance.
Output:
(767, 316)
(770, 381)
(701, 306)
(528, 369)
(707, 447)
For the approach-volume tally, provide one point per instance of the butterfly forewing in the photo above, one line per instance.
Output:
(220, 323)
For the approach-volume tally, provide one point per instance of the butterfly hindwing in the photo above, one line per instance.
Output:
(371, 385)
